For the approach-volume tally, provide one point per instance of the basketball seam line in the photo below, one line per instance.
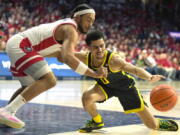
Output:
(163, 99)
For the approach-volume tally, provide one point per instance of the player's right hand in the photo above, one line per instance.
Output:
(101, 72)
(155, 78)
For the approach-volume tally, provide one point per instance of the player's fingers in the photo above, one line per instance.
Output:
(101, 67)
(105, 72)
(155, 78)
(161, 76)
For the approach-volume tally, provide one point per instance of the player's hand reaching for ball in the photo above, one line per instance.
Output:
(101, 72)
(155, 78)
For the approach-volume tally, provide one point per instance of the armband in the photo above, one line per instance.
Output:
(81, 68)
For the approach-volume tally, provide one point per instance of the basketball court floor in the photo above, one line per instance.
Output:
(59, 111)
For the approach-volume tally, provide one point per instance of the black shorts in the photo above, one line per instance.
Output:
(129, 97)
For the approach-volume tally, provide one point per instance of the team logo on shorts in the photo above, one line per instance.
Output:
(28, 49)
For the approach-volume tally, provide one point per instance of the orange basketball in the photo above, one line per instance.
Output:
(163, 97)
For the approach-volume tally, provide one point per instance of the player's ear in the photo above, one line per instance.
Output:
(77, 18)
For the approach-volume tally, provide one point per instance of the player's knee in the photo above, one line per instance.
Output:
(49, 80)
(52, 82)
(87, 98)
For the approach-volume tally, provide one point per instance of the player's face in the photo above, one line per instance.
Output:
(85, 23)
(98, 48)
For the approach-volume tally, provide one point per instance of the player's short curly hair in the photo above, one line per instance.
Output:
(93, 35)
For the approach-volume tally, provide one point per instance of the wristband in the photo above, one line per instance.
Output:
(81, 68)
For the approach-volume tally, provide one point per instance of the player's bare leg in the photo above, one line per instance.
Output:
(89, 99)
(20, 90)
(148, 119)
(44, 83)
(159, 124)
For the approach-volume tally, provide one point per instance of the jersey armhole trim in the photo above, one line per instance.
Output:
(113, 71)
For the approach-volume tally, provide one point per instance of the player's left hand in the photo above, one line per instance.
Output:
(155, 78)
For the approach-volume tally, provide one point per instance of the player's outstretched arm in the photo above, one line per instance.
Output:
(139, 72)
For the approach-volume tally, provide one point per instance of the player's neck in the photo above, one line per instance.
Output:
(97, 62)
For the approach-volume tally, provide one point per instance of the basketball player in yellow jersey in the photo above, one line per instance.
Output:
(118, 83)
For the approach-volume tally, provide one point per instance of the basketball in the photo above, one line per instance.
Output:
(163, 97)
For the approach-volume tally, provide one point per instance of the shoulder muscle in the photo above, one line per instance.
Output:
(66, 31)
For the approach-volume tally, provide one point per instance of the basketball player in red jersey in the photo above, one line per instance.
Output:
(28, 49)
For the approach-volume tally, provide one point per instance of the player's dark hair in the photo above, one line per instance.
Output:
(93, 35)
(80, 8)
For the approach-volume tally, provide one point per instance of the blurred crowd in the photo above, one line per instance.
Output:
(138, 31)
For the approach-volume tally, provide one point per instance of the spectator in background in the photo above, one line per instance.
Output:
(165, 63)
(176, 65)
(2, 38)
(150, 62)
(140, 62)
(2, 44)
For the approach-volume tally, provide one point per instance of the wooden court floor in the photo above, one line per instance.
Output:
(59, 111)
